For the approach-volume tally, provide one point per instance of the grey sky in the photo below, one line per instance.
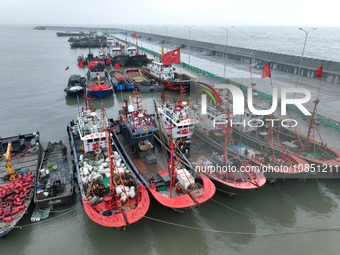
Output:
(208, 12)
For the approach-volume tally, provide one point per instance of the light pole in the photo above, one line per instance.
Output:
(166, 30)
(151, 37)
(303, 52)
(189, 27)
(226, 47)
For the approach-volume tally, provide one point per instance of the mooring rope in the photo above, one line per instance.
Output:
(48, 220)
(266, 220)
(243, 233)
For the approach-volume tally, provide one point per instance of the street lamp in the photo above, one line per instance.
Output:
(189, 27)
(166, 30)
(226, 47)
(151, 37)
(303, 52)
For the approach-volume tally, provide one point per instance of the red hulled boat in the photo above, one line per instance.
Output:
(168, 181)
(112, 195)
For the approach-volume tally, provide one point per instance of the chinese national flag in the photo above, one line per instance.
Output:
(172, 57)
(134, 35)
(67, 68)
(318, 73)
(249, 68)
(80, 63)
(117, 66)
(266, 71)
(109, 61)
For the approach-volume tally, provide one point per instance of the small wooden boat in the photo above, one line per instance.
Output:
(17, 172)
(54, 185)
(144, 82)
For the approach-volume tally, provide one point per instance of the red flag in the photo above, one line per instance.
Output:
(172, 57)
(80, 63)
(318, 73)
(117, 66)
(134, 35)
(249, 68)
(266, 71)
(109, 61)
(67, 68)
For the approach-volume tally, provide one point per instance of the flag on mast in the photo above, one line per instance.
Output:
(172, 57)
(318, 73)
(80, 63)
(67, 68)
(266, 71)
(134, 35)
(117, 66)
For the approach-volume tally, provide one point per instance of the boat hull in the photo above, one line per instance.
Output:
(99, 93)
(138, 60)
(150, 88)
(121, 60)
(121, 219)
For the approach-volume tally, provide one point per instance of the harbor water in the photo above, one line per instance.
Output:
(289, 217)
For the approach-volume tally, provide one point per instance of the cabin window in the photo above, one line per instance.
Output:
(90, 140)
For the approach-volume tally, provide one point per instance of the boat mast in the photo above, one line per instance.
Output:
(311, 125)
(172, 162)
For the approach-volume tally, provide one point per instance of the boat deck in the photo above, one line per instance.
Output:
(148, 171)
(26, 163)
(24, 160)
(64, 173)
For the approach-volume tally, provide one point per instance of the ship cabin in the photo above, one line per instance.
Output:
(159, 70)
(131, 51)
(183, 125)
(116, 51)
(90, 128)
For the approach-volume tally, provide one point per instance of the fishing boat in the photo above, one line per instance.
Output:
(18, 167)
(273, 159)
(230, 173)
(98, 80)
(169, 182)
(120, 82)
(135, 56)
(166, 75)
(54, 184)
(323, 159)
(144, 82)
(177, 116)
(112, 196)
(119, 55)
(76, 84)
